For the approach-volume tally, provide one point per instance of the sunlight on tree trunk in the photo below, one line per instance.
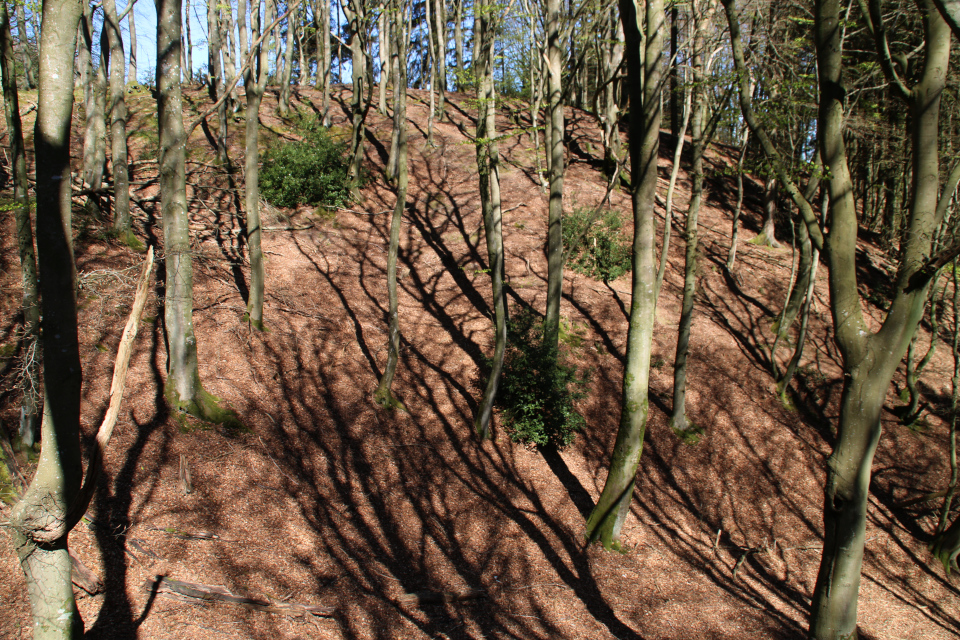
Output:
(606, 520)
(38, 523)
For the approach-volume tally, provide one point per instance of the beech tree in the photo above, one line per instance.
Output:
(556, 167)
(254, 83)
(384, 393)
(183, 388)
(869, 358)
(488, 164)
(30, 404)
(643, 34)
(111, 55)
(40, 521)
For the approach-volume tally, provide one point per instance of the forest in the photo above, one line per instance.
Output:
(479, 319)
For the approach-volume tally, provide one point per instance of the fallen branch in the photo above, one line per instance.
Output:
(189, 535)
(117, 386)
(190, 592)
(84, 577)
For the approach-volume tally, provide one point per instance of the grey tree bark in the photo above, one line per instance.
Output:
(554, 63)
(644, 51)
(94, 103)
(356, 14)
(117, 111)
(869, 359)
(29, 420)
(183, 390)
(215, 87)
(39, 522)
(488, 164)
(132, 66)
(26, 55)
(283, 107)
(254, 83)
(384, 393)
(678, 420)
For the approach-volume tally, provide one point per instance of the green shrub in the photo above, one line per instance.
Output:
(312, 171)
(595, 246)
(537, 390)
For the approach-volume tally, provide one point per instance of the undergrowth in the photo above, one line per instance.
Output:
(594, 244)
(311, 171)
(539, 387)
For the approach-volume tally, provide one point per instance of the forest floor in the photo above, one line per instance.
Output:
(329, 500)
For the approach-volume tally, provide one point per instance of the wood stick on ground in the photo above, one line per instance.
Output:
(186, 481)
(121, 365)
(84, 577)
(194, 592)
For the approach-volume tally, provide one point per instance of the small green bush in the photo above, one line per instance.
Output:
(312, 171)
(538, 389)
(595, 246)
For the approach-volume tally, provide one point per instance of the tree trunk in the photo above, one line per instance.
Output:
(551, 325)
(643, 79)
(386, 57)
(283, 107)
(94, 98)
(215, 85)
(869, 360)
(39, 522)
(384, 393)
(440, 57)
(488, 164)
(356, 15)
(255, 82)
(188, 49)
(29, 425)
(323, 70)
(674, 172)
(132, 66)
(458, 45)
(183, 389)
(679, 421)
(26, 56)
(117, 110)
(735, 223)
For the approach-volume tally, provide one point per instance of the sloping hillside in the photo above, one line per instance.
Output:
(330, 501)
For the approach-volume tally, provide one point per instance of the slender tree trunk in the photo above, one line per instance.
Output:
(323, 73)
(355, 13)
(183, 389)
(39, 522)
(458, 45)
(255, 83)
(117, 111)
(215, 85)
(30, 404)
(94, 97)
(644, 78)
(735, 224)
(384, 393)
(26, 56)
(132, 66)
(284, 102)
(551, 326)
(440, 57)
(431, 72)
(386, 56)
(488, 163)
(188, 49)
(679, 421)
(674, 172)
